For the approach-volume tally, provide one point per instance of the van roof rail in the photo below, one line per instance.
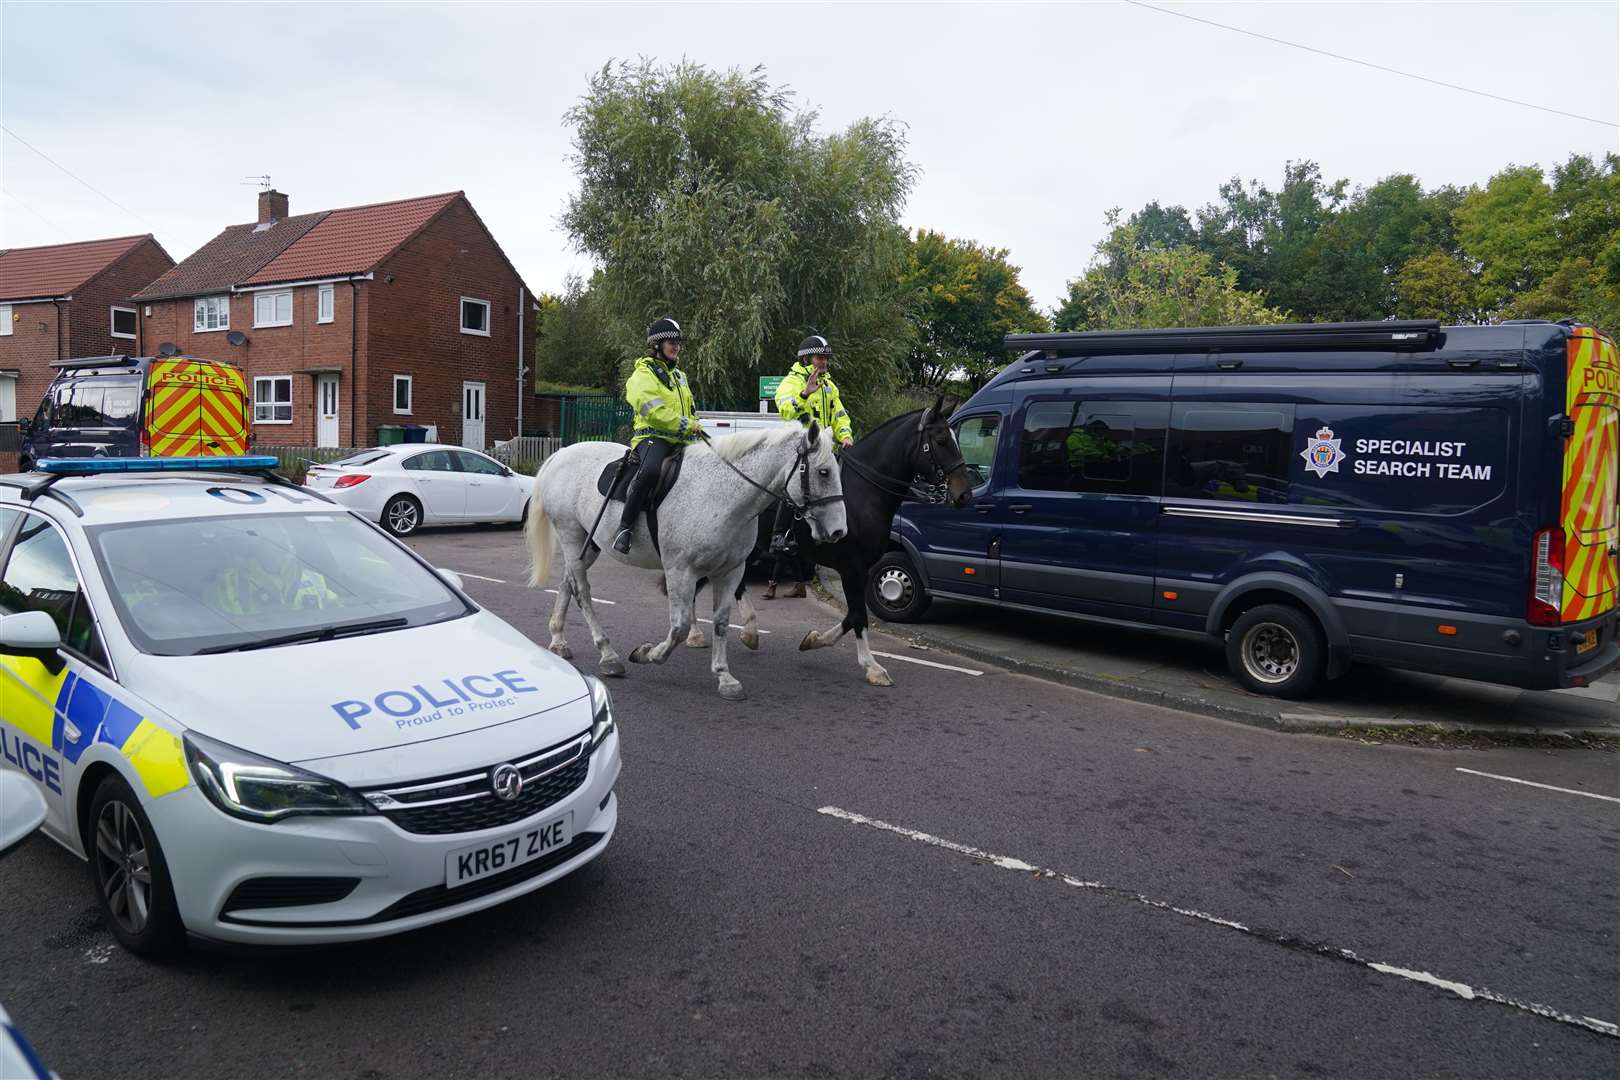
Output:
(1411, 335)
(116, 360)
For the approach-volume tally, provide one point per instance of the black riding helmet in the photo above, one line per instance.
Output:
(815, 345)
(665, 329)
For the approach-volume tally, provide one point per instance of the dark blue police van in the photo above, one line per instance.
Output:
(1399, 493)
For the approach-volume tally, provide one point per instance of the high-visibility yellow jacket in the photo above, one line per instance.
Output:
(289, 587)
(823, 405)
(662, 402)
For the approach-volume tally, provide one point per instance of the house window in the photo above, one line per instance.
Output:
(402, 394)
(123, 322)
(324, 304)
(5, 320)
(474, 316)
(272, 399)
(211, 313)
(272, 309)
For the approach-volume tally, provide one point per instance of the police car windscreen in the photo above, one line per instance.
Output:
(217, 583)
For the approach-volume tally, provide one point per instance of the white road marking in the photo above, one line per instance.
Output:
(480, 577)
(1291, 941)
(594, 599)
(734, 626)
(927, 663)
(1544, 787)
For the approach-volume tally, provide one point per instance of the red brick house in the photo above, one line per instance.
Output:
(68, 300)
(396, 313)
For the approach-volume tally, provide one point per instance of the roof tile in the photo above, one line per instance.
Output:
(353, 240)
(230, 257)
(58, 269)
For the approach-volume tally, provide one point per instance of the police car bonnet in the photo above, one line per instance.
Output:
(374, 692)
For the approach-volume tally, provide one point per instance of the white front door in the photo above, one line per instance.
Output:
(326, 402)
(8, 396)
(472, 415)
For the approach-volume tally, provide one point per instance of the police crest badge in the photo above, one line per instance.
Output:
(1323, 453)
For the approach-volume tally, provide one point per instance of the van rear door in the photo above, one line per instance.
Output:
(196, 408)
(1591, 459)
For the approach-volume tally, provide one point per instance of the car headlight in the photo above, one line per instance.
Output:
(248, 786)
(601, 710)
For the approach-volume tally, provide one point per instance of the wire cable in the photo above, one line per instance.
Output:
(31, 210)
(74, 175)
(1369, 64)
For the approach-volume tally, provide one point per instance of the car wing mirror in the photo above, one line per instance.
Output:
(22, 809)
(31, 634)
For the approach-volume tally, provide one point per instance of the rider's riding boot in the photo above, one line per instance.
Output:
(795, 593)
(621, 542)
(770, 590)
(627, 522)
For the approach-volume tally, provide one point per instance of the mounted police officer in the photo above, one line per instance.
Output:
(666, 418)
(807, 393)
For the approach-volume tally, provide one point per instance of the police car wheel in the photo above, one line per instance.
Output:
(402, 516)
(1276, 650)
(894, 592)
(130, 873)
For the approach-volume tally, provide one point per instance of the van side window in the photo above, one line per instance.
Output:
(80, 406)
(976, 437)
(120, 403)
(1106, 447)
(39, 576)
(1232, 452)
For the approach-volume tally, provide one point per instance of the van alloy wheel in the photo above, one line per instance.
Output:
(895, 586)
(125, 866)
(1270, 653)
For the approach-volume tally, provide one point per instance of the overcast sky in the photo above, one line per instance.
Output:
(1028, 121)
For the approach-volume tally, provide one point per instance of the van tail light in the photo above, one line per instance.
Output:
(351, 479)
(1546, 577)
(146, 442)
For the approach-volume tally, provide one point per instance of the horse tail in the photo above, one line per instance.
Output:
(537, 531)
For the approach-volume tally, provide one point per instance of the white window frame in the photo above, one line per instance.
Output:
(325, 303)
(273, 404)
(199, 316)
(271, 298)
(410, 395)
(112, 321)
(5, 320)
(461, 315)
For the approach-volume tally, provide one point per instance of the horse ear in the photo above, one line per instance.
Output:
(939, 408)
(815, 432)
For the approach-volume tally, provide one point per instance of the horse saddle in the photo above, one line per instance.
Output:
(615, 481)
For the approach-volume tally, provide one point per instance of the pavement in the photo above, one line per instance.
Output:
(974, 873)
(1190, 673)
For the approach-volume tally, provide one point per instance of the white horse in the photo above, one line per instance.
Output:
(706, 528)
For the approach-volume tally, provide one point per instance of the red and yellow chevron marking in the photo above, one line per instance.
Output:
(1591, 464)
(196, 408)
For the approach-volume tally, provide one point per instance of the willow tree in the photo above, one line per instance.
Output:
(703, 195)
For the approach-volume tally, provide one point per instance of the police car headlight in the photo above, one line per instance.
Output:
(248, 786)
(601, 710)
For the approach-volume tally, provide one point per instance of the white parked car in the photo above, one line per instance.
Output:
(261, 719)
(410, 485)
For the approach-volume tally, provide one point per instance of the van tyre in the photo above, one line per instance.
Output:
(402, 515)
(1277, 650)
(894, 591)
(130, 875)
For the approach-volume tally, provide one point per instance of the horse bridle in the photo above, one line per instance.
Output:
(801, 465)
(909, 488)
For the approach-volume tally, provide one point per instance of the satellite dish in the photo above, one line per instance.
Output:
(168, 348)
(236, 337)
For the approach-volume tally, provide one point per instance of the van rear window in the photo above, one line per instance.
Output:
(1230, 452)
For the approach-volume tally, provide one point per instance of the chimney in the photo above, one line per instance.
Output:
(272, 206)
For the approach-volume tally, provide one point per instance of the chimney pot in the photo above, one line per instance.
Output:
(272, 206)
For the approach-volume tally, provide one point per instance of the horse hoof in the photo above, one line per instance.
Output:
(639, 654)
(696, 639)
(750, 640)
(561, 649)
(809, 642)
(879, 677)
(613, 669)
(733, 691)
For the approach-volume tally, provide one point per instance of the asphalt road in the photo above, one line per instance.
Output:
(965, 875)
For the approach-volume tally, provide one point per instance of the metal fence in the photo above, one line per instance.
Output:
(10, 437)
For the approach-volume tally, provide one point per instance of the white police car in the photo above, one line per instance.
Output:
(261, 719)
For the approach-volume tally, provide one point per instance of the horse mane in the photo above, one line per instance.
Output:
(732, 447)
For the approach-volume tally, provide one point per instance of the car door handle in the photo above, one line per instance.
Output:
(1021, 508)
(984, 507)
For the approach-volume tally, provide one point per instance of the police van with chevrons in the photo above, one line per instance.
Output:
(261, 719)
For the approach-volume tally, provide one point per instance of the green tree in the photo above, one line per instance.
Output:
(703, 197)
(964, 298)
(1510, 228)
(578, 342)
(1129, 286)
(1440, 286)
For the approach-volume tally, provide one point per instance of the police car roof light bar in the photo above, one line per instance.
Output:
(116, 360)
(92, 466)
(1411, 335)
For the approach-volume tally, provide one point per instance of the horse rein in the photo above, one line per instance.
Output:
(801, 465)
(903, 489)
